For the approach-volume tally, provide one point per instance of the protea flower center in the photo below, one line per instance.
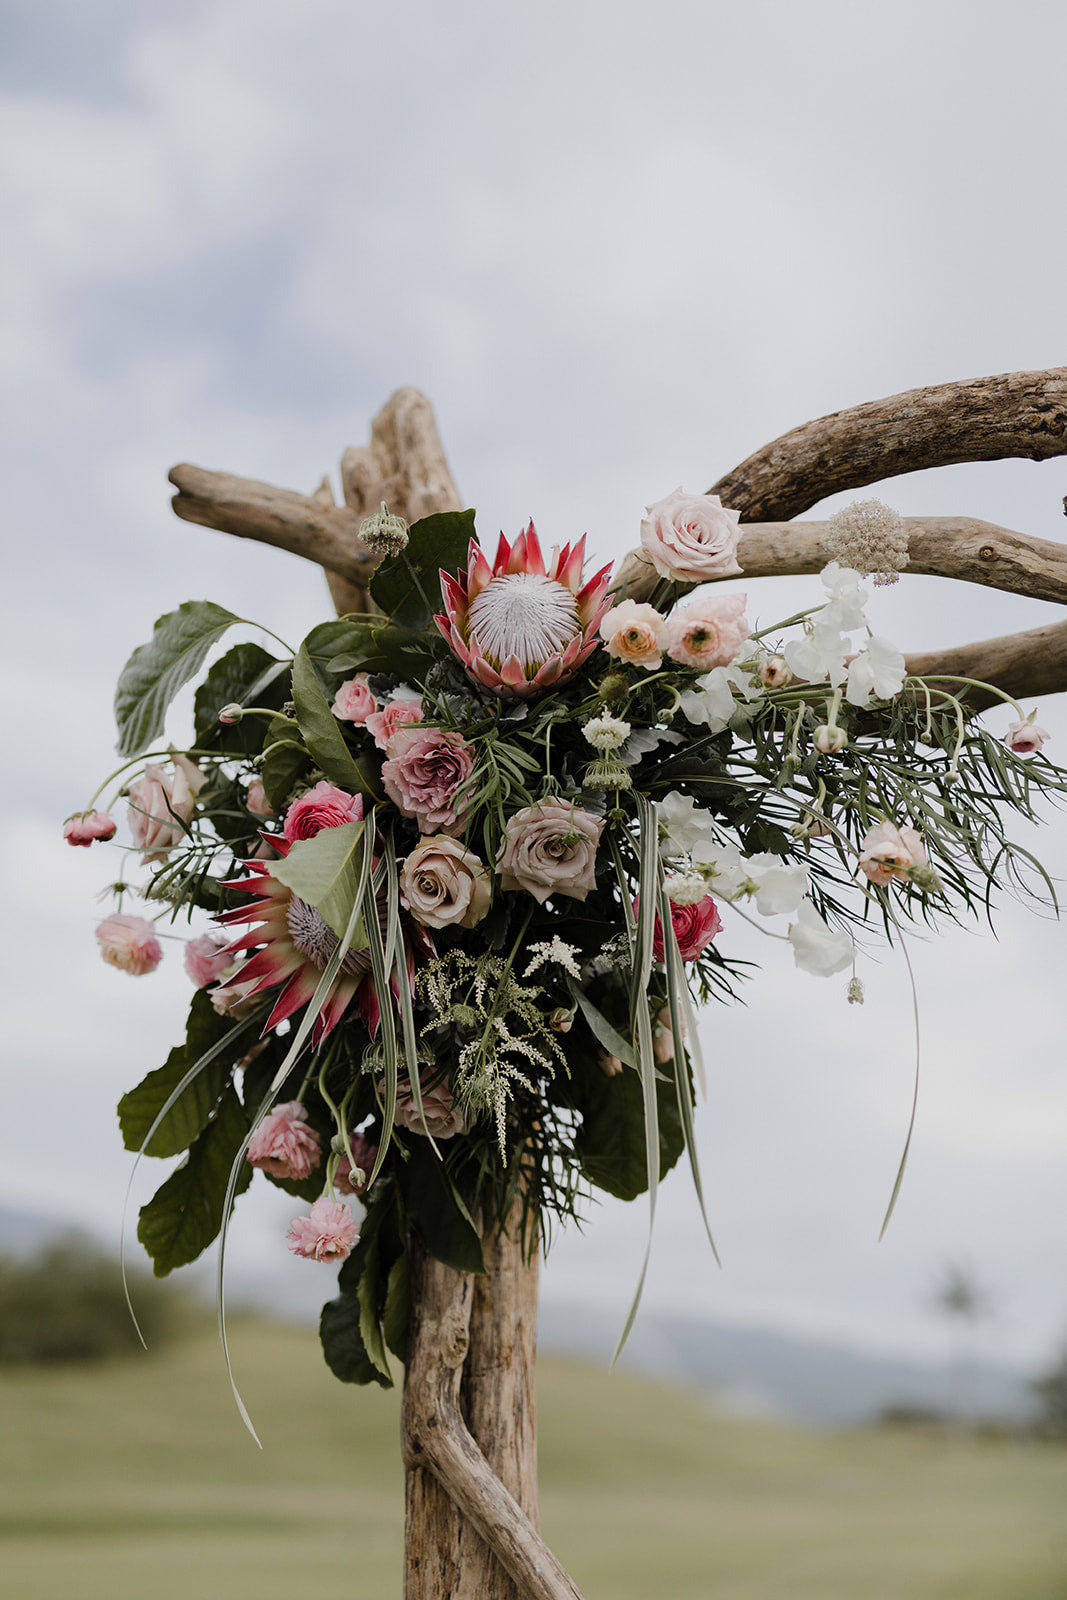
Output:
(314, 938)
(523, 615)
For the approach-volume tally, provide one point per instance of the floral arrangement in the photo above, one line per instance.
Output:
(470, 861)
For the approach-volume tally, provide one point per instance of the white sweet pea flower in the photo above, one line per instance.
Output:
(844, 610)
(712, 701)
(878, 670)
(780, 885)
(820, 653)
(817, 948)
(684, 823)
(723, 864)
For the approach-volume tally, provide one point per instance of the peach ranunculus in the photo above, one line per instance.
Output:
(888, 852)
(709, 632)
(692, 537)
(401, 712)
(549, 849)
(443, 885)
(324, 806)
(354, 701)
(130, 944)
(161, 806)
(283, 1145)
(425, 774)
(635, 633)
(441, 1117)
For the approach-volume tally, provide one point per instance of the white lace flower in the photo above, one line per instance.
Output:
(878, 670)
(554, 949)
(817, 948)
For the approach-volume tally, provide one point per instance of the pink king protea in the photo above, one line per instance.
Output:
(517, 626)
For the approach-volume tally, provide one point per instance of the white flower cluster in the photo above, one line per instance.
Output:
(825, 652)
(606, 732)
(870, 537)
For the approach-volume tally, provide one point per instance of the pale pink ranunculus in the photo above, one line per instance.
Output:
(774, 672)
(161, 806)
(441, 1117)
(327, 1233)
(635, 633)
(88, 826)
(888, 852)
(550, 849)
(692, 537)
(364, 1155)
(385, 724)
(256, 799)
(283, 1145)
(695, 926)
(207, 958)
(1024, 738)
(443, 885)
(354, 701)
(425, 774)
(709, 632)
(130, 944)
(325, 806)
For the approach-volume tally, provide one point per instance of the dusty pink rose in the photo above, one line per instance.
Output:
(283, 1145)
(400, 713)
(635, 633)
(691, 537)
(353, 701)
(328, 1233)
(88, 826)
(709, 632)
(550, 848)
(424, 776)
(207, 958)
(256, 799)
(1024, 738)
(325, 806)
(130, 944)
(695, 926)
(161, 805)
(441, 1117)
(888, 852)
(365, 1155)
(443, 885)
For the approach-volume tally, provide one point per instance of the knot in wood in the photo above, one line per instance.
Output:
(986, 553)
(454, 1337)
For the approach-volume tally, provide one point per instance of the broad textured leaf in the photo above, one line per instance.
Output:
(324, 871)
(396, 1318)
(189, 1115)
(611, 1141)
(407, 588)
(408, 653)
(285, 763)
(341, 638)
(248, 675)
(371, 1295)
(322, 733)
(157, 670)
(434, 1212)
(342, 1343)
(185, 1215)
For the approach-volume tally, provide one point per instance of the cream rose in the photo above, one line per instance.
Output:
(692, 537)
(443, 885)
(550, 848)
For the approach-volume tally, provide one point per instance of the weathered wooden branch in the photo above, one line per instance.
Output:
(1021, 664)
(980, 419)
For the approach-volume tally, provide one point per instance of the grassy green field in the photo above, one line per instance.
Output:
(136, 1479)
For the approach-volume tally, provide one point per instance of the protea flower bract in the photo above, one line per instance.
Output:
(518, 626)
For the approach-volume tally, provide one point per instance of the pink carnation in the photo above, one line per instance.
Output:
(353, 701)
(365, 1156)
(888, 852)
(162, 805)
(87, 826)
(425, 774)
(695, 926)
(327, 1234)
(207, 958)
(635, 633)
(283, 1145)
(709, 632)
(325, 806)
(383, 725)
(130, 944)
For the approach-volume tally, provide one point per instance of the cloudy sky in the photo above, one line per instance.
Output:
(620, 247)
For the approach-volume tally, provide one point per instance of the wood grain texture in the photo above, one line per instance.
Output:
(1021, 664)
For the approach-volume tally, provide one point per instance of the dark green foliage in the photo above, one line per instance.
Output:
(610, 1143)
(407, 588)
(185, 1214)
(190, 1113)
(245, 675)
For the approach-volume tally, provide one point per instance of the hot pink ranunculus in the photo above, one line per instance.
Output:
(283, 1145)
(692, 537)
(207, 958)
(365, 1156)
(353, 701)
(87, 826)
(888, 852)
(709, 632)
(328, 1233)
(161, 806)
(325, 806)
(425, 774)
(635, 633)
(695, 926)
(130, 944)
(385, 724)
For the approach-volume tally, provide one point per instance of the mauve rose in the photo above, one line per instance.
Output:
(160, 803)
(692, 537)
(385, 724)
(635, 633)
(353, 701)
(695, 926)
(709, 632)
(550, 848)
(441, 1117)
(283, 1145)
(364, 1155)
(888, 852)
(207, 958)
(130, 944)
(87, 827)
(443, 885)
(325, 806)
(424, 775)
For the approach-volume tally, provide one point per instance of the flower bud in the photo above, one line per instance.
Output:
(829, 740)
(384, 534)
(231, 714)
(562, 1019)
(610, 1066)
(774, 672)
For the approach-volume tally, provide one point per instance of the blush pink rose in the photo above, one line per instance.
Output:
(443, 885)
(325, 806)
(695, 926)
(441, 1117)
(161, 806)
(365, 1155)
(709, 632)
(328, 1233)
(207, 958)
(256, 799)
(353, 701)
(692, 537)
(550, 848)
(283, 1145)
(635, 633)
(383, 725)
(1022, 738)
(425, 774)
(130, 944)
(888, 852)
(88, 826)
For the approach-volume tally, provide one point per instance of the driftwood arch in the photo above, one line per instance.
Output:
(469, 1415)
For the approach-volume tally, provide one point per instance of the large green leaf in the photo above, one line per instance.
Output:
(245, 675)
(435, 1213)
(396, 1317)
(611, 1141)
(185, 1215)
(407, 588)
(157, 670)
(322, 733)
(285, 761)
(342, 1342)
(324, 871)
(190, 1113)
